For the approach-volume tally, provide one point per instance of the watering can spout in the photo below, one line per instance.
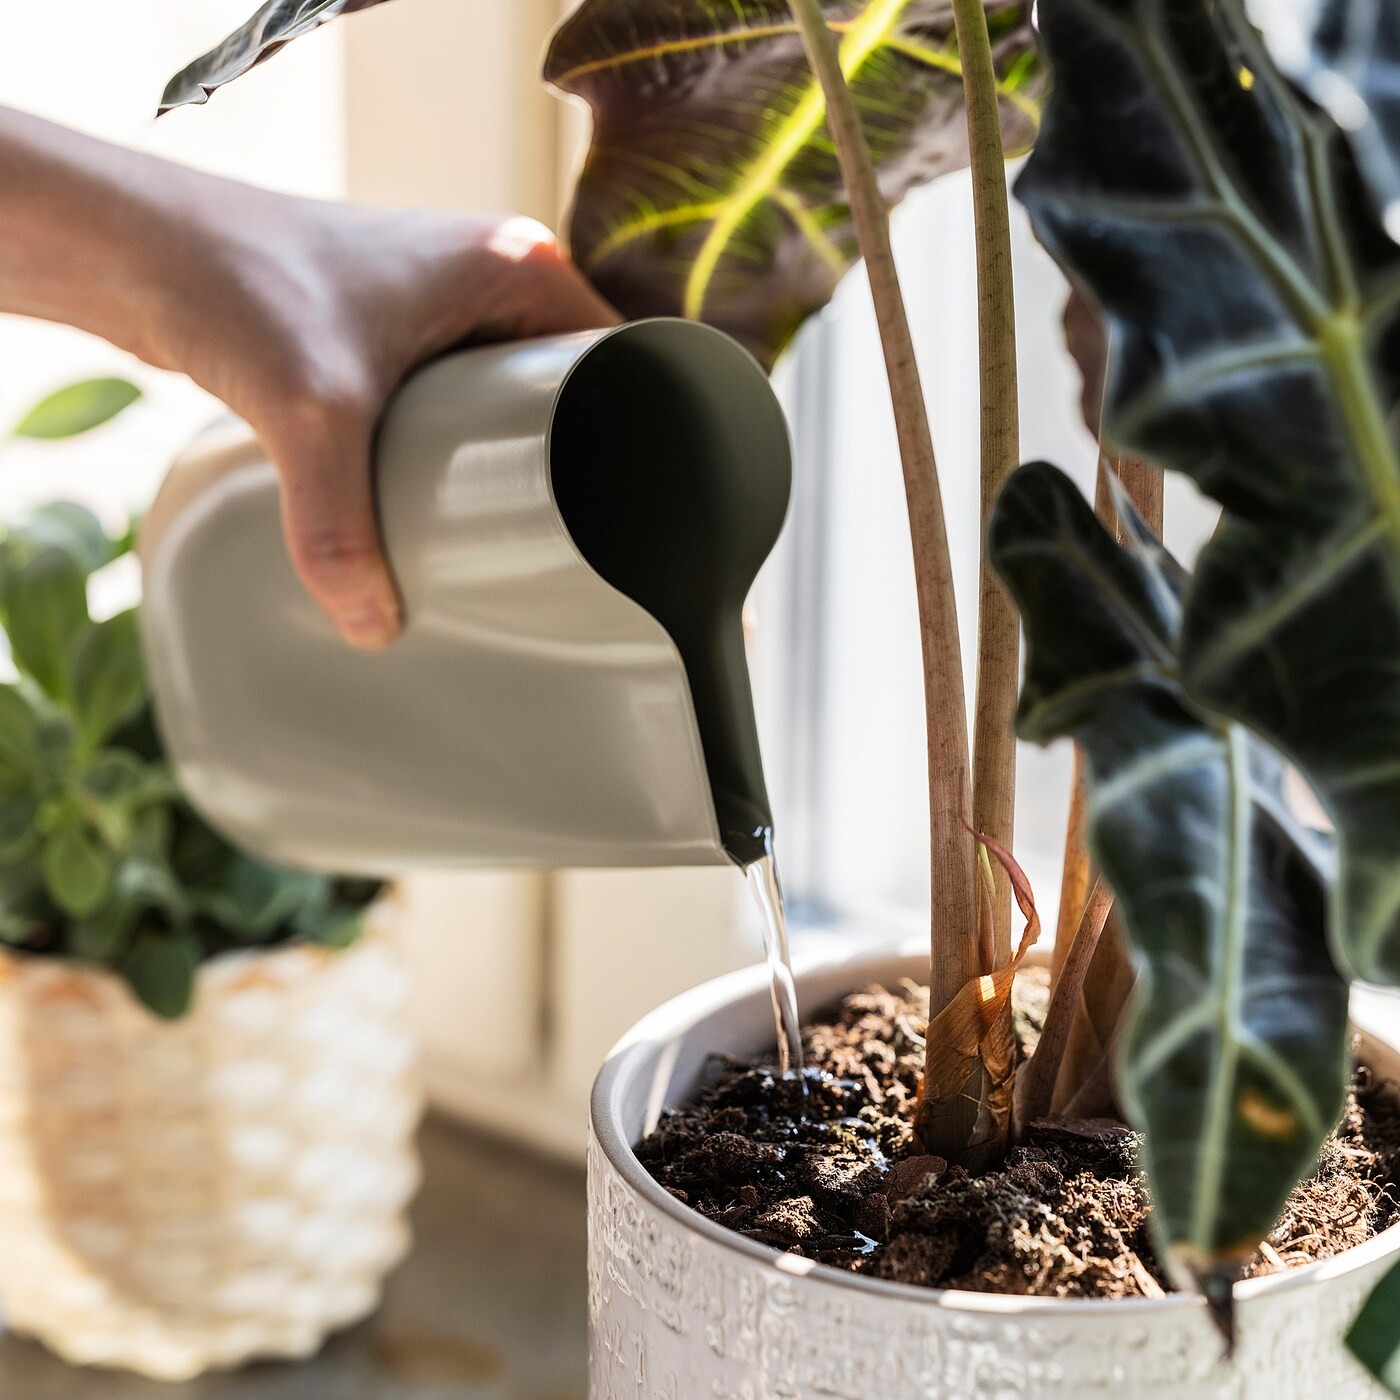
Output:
(574, 525)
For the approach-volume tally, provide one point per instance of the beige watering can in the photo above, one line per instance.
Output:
(574, 525)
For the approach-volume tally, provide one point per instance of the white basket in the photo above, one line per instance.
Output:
(180, 1197)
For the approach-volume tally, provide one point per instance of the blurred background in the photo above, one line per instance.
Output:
(438, 102)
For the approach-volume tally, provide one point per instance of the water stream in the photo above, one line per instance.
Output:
(767, 889)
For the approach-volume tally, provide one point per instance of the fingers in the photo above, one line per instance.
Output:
(332, 533)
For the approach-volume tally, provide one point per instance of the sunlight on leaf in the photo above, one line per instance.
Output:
(77, 409)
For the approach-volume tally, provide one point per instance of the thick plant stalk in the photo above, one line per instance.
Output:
(998, 632)
(1078, 872)
(955, 962)
(1108, 981)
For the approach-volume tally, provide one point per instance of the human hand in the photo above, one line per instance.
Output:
(302, 316)
(305, 317)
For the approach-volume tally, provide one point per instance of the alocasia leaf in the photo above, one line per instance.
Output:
(1346, 55)
(1254, 301)
(711, 189)
(1236, 1062)
(1375, 1335)
(278, 22)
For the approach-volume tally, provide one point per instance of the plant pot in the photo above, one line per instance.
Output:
(179, 1197)
(681, 1307)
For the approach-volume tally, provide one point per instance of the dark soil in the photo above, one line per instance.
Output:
(837, 1176)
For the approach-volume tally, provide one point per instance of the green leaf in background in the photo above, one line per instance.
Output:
(256, 899)
(331, 928)
(161, 969)
(711, 189)
(109, 677)
(78, 408)
(77, 868)
(1254, 304)
(150, 833)
(276, 23)
(1346, 55)
(101, 858)
(18, 836)
(20, 759)
(45, 611)
(1236, 1064)
(139, 888)
(116, 775)
(63, 525)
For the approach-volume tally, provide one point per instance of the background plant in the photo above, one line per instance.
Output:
(101, 858)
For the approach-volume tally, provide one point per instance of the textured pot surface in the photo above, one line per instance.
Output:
(681, 1308)
(187, 1196)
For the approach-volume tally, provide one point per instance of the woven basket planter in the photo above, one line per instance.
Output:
(176, 1198)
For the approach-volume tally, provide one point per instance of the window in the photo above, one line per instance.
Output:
(839, 671)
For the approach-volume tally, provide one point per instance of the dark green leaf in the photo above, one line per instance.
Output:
(118, 775)
(18, 836)
(711, 189)
(332, 928)
(150, 835)
(256, 899)
(1236, 1064)
(1346, 54)
(78, 408)
(103, 937)
(57, 744)
(1375, 1335)
(161, 968)
(109, 677)
(201, 857)
(46, 611)
(139, 889)
(276, 23)
(26, 913)
(77, 868)
(1254, 302)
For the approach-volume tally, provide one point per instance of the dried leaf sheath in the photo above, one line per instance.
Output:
(966, 1030)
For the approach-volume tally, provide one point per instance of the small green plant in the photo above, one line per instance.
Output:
(101, 858)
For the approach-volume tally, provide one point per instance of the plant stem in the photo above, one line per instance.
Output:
(998, 632)
(955, 959)
(1035, 1086)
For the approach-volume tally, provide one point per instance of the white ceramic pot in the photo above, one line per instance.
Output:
(180, 1197)
(681, 1308)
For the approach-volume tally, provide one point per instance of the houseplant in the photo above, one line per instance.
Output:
(206, 1093)
(1218, 221)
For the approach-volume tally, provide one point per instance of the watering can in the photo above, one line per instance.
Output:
(574, 524)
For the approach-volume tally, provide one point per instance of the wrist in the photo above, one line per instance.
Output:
(90, 234)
